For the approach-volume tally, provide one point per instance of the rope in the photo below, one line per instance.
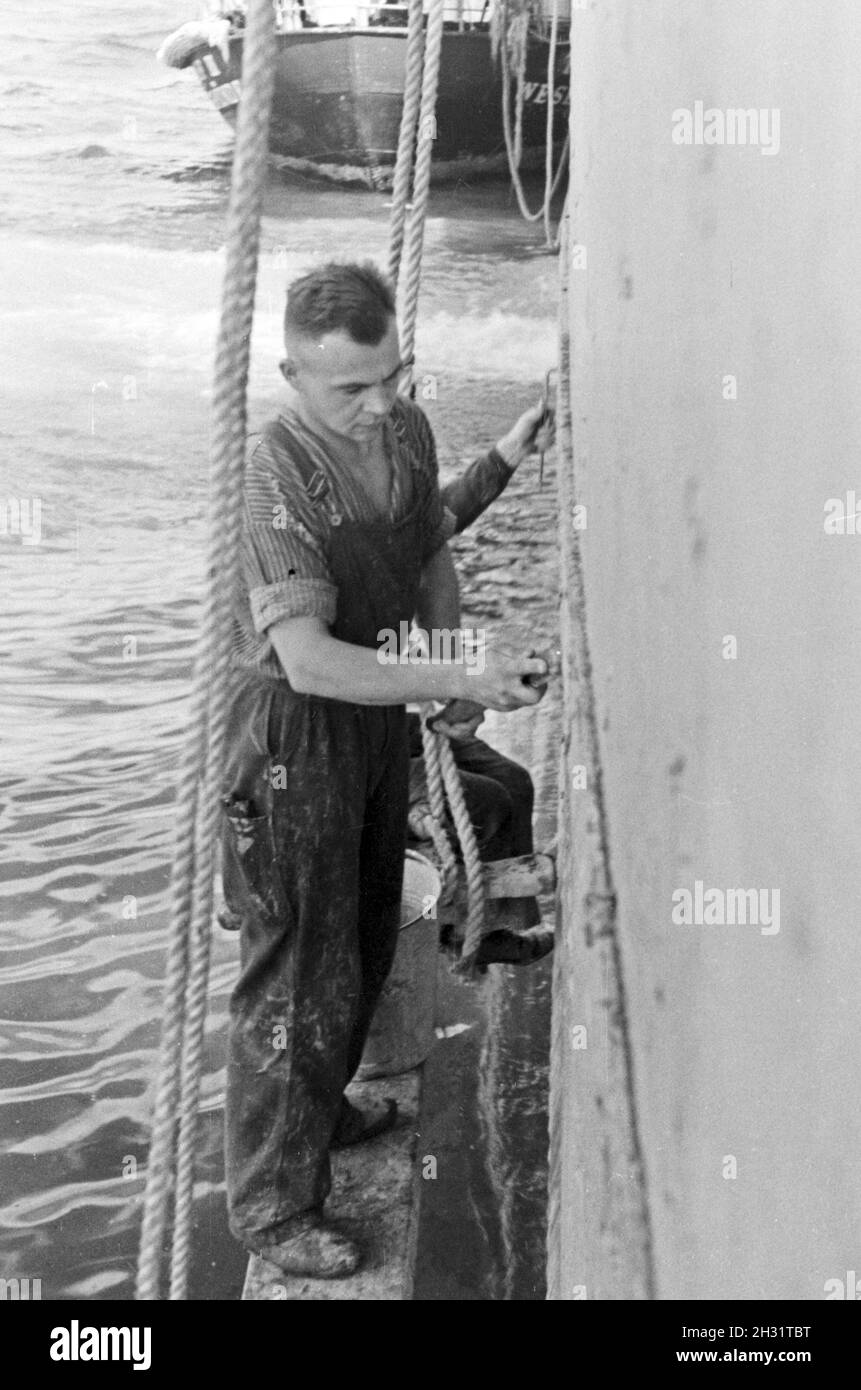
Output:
(407, 136)
(194, 1008)
(198, 809)
(445, 853)
(414, 241)
(436, 798)
(549, 182)
(442, 774)
(471, 859)
(443, 781)
(514, 139)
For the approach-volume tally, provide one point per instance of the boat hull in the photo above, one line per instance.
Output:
(339, 93)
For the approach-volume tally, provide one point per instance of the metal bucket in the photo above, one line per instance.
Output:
(402, 1031)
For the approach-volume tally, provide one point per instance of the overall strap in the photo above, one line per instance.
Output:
(314, 480)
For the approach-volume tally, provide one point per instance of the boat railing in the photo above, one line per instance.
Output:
(464, 15)
(292, 15)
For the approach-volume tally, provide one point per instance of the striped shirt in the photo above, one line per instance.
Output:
(285, 535)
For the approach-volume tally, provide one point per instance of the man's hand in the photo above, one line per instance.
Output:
(534, 432)
(459, 720)
(502, 683)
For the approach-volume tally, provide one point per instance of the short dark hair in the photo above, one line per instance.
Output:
(337, 297)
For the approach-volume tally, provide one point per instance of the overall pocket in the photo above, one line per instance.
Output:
(250, 879)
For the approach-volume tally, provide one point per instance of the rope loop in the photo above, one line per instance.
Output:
(513, 36)
(444, 783)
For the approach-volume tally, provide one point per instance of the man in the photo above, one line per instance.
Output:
(344, 537)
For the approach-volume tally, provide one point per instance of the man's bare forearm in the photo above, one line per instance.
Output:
(439, 593)
(316, 663)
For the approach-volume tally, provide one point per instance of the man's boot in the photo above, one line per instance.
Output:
(315, 1249)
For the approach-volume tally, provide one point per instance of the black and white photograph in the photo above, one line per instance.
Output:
(430, 557)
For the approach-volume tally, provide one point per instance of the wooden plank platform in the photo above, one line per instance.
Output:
(374, 1200)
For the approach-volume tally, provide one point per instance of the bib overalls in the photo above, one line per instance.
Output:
(316, 797)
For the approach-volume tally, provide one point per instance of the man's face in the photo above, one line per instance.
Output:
(348, 387)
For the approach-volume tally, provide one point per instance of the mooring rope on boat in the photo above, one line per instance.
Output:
(549, 182)
(514, 137)
(198, 808)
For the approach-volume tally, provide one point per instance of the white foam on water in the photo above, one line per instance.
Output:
(502, 344)
(110, 306)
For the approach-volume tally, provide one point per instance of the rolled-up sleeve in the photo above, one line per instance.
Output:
(284, 564)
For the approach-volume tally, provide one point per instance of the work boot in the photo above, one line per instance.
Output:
(355, 1126)
(316, 1249)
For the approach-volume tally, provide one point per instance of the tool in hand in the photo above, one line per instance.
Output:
(553, 658)
(546, 417)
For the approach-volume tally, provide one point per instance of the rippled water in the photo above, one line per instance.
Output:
(111, 240)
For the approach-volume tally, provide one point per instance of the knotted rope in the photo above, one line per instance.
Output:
(198, 810)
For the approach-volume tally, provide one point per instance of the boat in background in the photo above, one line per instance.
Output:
(339, 85)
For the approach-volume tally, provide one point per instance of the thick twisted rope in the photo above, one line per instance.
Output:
(443, 780)
(414, 240)
(444, 853)
(194, 1008)
(197, 792)
(436, 799)
(442, 774)
(407, 136)
(471, 859)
